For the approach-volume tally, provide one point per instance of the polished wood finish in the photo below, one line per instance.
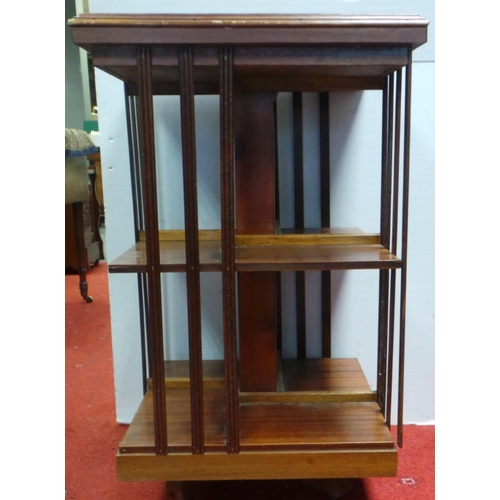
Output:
(293, 426)
(131, 109)
(318, 380)
(125, 29)
(254, 465)
(177, 373)
(298, 204)
(227, 178)
(337, 387)
(139, 437)
(262, 257)
(385, 228)
(394, 247)
(344, 374)
(282, 257)
(258, 417)
(307, 236)
(271, 21)
(324, 167)
(255, 215)
(404, 247)
(328, 376)
(309, 397)
(254, 162)
(192, 245)
(257, 331)
(172, 257)
(286, 424)
(148, 164)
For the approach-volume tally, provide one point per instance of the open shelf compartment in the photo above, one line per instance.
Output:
(312, 411)
(313, 249)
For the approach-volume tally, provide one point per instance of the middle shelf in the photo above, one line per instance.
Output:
(303, 250)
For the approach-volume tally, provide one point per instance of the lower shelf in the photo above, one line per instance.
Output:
(263, 426)
(258, 465)
(313, 420)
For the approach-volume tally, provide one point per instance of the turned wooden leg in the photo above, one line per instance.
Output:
(80, 249)
(95, 214)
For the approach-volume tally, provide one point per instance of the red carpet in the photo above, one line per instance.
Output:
(92, 435)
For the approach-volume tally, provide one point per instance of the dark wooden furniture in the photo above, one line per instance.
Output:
(95, 173)
(83, 243)
(254, 415)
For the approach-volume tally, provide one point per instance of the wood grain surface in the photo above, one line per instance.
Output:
(325, 404)
(267, 257)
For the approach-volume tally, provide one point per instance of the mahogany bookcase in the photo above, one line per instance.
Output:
(254, 415)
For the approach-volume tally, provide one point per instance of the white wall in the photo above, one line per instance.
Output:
(355, 158)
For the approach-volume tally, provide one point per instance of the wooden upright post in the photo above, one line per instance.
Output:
(255, 214)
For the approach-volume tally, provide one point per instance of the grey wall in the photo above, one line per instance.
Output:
(74, 110)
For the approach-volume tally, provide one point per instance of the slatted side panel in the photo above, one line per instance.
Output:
(394, 245)
(131, 107)
(192, 246)
(385, 211)
(148, 164)
(404, 243)
(142, 287)
(393, 125)
(228, 251)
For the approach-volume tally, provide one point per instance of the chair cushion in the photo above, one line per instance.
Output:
(78, 143)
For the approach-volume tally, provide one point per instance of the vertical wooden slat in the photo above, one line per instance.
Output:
(135, 178)
(279, 314)
(385, 211)
(324, 162)
(394, 246)
(298, 161)
(404, 244)
(228, 252)
(147, 146)
(145, 351)
(298, 180)
(324, 156)
(140, 189)
(192, 246)
(382, 340)
(388, 131)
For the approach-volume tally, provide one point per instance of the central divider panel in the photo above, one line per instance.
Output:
(255, 214)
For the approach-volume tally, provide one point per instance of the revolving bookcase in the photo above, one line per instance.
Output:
(253, 414)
